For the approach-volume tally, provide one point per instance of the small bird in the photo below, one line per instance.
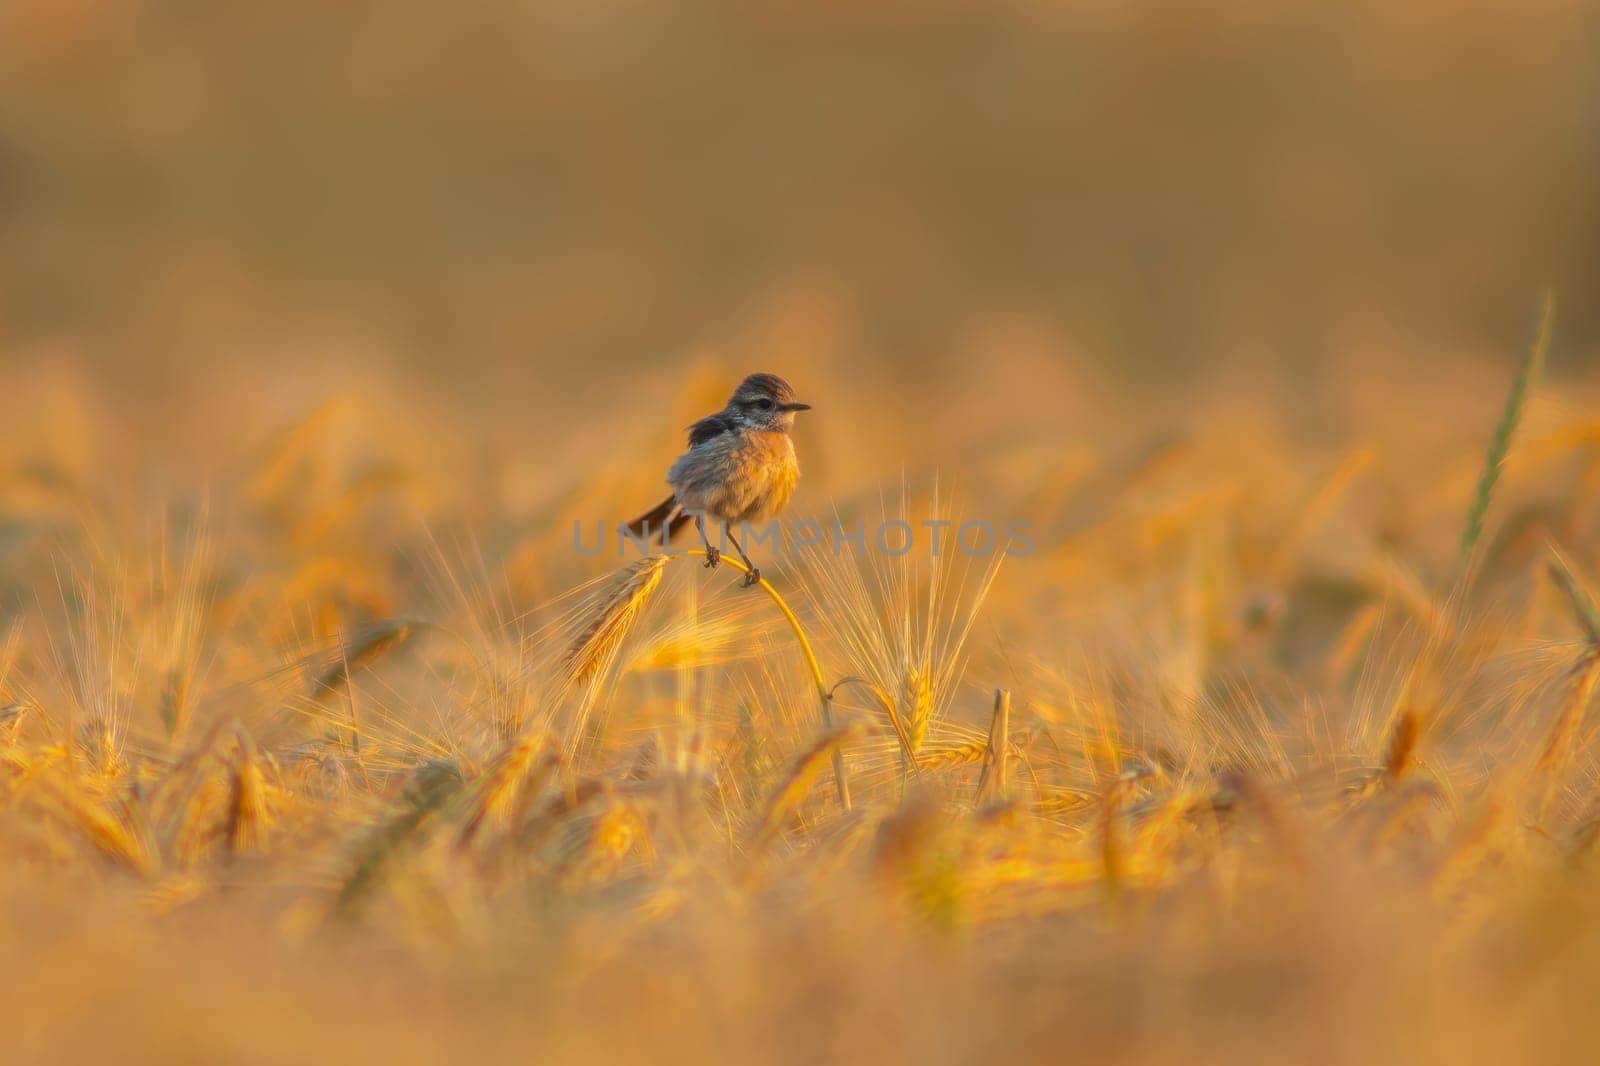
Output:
(740, 467)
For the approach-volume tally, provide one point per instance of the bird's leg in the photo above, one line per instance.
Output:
(713, 555)
(753, 575)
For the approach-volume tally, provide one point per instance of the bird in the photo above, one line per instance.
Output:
(740, 467)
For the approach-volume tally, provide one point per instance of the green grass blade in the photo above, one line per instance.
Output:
(1500, 445)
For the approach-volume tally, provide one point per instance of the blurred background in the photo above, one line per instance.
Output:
(1046, 210)
(1223, 297)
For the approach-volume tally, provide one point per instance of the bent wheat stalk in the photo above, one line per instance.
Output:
(824, 697)
(908, 743)
(841, 782)
(594, 649)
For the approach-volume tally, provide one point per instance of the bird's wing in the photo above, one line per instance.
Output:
(708, 428)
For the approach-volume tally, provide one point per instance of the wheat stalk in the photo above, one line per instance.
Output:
(1582, 604)
(498, 790)
(798, 783)
(431, 785)
(1583, 677)
(599, 642)
(995, 781)
(955, 755)
(248, 816)
(916, 697)
(117, 835)
(908, 747)
(1402, 743)
(596, 645)
(354, 655)
(363, 651)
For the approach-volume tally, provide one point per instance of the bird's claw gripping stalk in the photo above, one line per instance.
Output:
(713, 557)
(751, 577)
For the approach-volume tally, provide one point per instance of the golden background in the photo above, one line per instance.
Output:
(320, 323)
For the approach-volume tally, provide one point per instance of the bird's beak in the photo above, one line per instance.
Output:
(794, 407)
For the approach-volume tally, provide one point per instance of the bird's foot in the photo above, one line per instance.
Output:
(751, 577)
(713, 557)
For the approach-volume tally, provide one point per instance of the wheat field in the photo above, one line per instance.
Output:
(1261, 728)
(1264, 752)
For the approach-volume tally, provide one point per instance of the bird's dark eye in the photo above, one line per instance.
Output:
(764, 405)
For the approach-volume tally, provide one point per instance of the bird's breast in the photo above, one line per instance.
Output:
(747, 476)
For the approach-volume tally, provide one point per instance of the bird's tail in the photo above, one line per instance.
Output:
(665, 516)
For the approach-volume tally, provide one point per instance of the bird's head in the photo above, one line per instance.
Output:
(765, 401)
